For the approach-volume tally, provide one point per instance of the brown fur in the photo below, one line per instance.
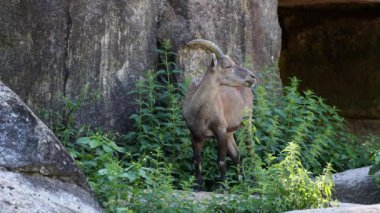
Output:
(214, 107)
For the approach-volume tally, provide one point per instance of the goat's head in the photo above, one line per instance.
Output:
(227, 72)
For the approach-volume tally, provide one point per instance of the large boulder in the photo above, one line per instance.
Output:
(344, 208)
(33, 194)
(55, 47)
(36, 171)
(356, 186)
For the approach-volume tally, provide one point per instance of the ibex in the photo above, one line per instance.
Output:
(214, 106)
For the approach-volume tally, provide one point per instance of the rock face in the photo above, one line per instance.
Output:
(55, 47)
(32, 49)
(110, 44)
(356, 186)
(36, 172)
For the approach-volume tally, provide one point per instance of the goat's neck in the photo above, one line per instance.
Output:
(208, 88)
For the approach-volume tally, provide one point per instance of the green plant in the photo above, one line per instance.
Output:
(158, 122)
(63, 122)
(287, 185)
(278, 187)
(375, 168)
(372, 145)
(306, 119)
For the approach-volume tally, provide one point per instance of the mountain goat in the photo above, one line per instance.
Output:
(214, 106)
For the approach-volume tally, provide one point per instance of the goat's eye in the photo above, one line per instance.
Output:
(228, 67)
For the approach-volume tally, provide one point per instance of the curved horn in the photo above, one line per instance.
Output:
(208, 45)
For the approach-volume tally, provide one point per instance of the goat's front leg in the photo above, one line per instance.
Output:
(222, 152)
(197, 150)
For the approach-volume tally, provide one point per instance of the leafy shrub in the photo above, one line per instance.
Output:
(116, 179)
(289, 184)
(123, 185)
(372, 145)
(375, 168)
(306, 119)
(63, 123)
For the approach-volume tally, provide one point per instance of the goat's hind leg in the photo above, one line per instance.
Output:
(232, 149)
(197, 150)
(233, 152)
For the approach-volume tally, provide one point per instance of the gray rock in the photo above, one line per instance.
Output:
(51, 48)
(356, 186)
(31, 194)
(110, 45)
(343, 209)
(32, 49)
(28, 146)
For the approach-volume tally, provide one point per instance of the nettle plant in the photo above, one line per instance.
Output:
(158, 123)
(304, 118)
(372, 145)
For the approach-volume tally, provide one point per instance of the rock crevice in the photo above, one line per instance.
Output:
(69, 22)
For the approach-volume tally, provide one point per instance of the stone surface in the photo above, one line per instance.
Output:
(110, 45)
(28, 146)
(54, 47)
(31, 194)
(356, 186)
(343, 209)
(32, 49)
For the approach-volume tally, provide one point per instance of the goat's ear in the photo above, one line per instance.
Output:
(214, 61)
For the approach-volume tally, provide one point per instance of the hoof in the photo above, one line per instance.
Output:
(220, 188)
(197, 189)
(198, 186)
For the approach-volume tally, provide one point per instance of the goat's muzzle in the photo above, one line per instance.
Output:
(251, 81)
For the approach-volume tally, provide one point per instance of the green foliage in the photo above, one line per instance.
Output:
(279, 187)
(372, 144)
(287, 185)
(118, 181)
(158, 123)
(123, 185)
(63, 123)
(375, 168)
(304, 118)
